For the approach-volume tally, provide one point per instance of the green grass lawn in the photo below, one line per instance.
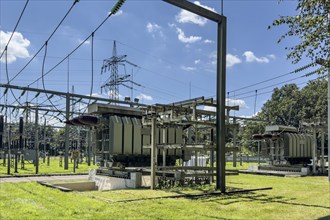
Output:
(290, 198)
(53, 168)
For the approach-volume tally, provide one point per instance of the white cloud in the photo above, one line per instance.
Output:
(87, 42)
(17, 48)
(271, 56)
(144, 97)
(232, 60)
(188, 68)
(184, 39)
(250, 57)
(209, 108)
(188, 17)
(120, 12)
(197, 61)
(233, 102)
(229, 102)
(207, 41)
(154, 28)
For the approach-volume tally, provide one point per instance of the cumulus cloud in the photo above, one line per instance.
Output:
(232, 60)
(207, 41)
(87, 42)
(144, 97)
(120, 12)
(17, 48)
(154, 28)
(229, 102)
(271, 56)
(233, 102)
(188, 68)
(197, 61)
(250, 57)
(188, 17)
(184, 39)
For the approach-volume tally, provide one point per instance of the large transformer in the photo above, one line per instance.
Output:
(120, 139)
(283, 145)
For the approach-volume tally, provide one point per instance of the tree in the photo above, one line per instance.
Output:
(313, 100)
(283, 108)
(312, 27)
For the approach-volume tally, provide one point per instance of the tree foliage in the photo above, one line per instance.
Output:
(311, 26)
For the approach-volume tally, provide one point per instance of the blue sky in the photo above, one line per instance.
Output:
(175, 50)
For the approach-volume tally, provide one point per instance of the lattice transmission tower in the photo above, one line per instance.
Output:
(112, 65)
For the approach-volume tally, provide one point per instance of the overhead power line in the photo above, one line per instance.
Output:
(267, 80)
(51, 35)
(86, 39)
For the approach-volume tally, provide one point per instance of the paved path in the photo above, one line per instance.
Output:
(42, 178)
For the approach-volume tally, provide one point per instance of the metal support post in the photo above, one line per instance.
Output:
(153, 153)
(258, 152)
(89, 147)
(66, 151)
(221, 101)
(322, 151)
(36, 142)
(212, 155)
(9, 146)
(234, 144)
(314, 153)
(44, 143)
(21, 129)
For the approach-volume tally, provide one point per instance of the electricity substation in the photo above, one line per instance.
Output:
(148, 145)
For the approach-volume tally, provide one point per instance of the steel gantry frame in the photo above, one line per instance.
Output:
(221, 83)
(67, 112)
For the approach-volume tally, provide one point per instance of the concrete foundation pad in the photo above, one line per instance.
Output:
(110, 183)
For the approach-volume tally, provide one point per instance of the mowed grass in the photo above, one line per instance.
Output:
(53, 168)
(290, 198)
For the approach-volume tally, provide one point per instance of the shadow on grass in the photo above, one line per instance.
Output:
(263, 198)
(226, 199)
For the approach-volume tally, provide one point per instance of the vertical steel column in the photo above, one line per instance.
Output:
(67, 115)
(89, 147)
(221, 101)
(9, 146)
(36, 141)
(1, 130)
(314, 153)
(212, 155)
(44, 141)
(234, 143)
(153, 153)
(322, 151)
(258, 152)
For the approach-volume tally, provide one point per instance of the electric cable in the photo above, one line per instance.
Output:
(267, 80)
(52, 34)
(74, 50)
(266, 87)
